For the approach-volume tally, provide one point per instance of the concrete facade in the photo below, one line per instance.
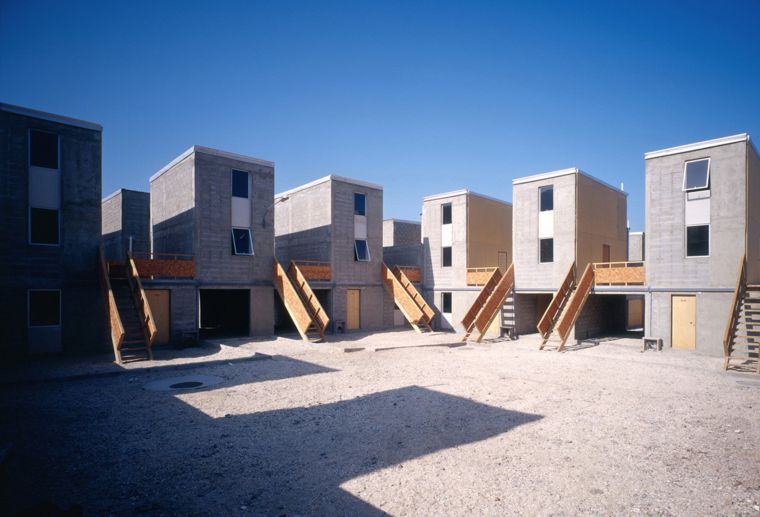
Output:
(69, 266)
(402, 243)
(636, 244)
(193, 212)
(316, 222)
(126, 217)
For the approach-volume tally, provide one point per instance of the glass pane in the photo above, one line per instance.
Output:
(43, 150)
(446, 302)
(547, 250)
(240, 184)
(241, 241)
(446, 214)
(44, 308)
(360, 201)
(446, 257)
(361, 250)
(696, 175)
(43, 226)
(546, 195)
(697, 241)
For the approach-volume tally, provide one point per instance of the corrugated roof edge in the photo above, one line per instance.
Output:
(696, 146)
(329, 177)
(213, 152)
(117, 191)
(461, 192)
(564, 172)
(52, 117)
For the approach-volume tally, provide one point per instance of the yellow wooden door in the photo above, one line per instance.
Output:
(158, 299)
(353, 309)
(684, 322)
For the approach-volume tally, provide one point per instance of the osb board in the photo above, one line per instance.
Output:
(321, 272)
(478, 277)
(489, 231)
(620, 275)
(165, 268)
(412, 273)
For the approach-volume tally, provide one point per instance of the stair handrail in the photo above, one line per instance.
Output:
(417, 298)
(401, 296)
(148, 323)
(310, 299)
(477, 305)
(546, 323)
(741, 281)
(494, 303)
(575, 303)
(287, 291)
(117, 327)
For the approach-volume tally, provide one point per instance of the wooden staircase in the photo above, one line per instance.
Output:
(302, 304)
(741, 343)
(555, 310)
(560, 317)
(408, 299)
(488, 304)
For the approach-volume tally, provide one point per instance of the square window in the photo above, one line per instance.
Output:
(360, 204)
(446, 213)
(43, 149)
(696, 175)
(546, 198)
(698, 241)
(546, 250)
(361, 250)
(43, 226)
(44, 308)
(242, 243)
(446, 256)
(240, 184)
(446, 303)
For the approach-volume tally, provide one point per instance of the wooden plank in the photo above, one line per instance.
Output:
(426, 313)
(480, 300)
(575, 304)
(545, 324)
(309, 298)
(160, 306)
(683, 322)
(480, 275)
(291, 299)
(165, 268)
(413, 274)
(619, 273)
(114, 320)
(493, 305)
(315, 271)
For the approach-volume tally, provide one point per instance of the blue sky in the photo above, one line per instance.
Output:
(422, 97)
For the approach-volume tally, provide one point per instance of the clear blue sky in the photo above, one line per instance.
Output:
(422, 97)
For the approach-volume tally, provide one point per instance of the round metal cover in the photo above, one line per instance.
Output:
(187, 382)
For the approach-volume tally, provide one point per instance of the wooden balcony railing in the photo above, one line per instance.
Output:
(164, 265)
(413, 274)
(619, 273)
(479, 275)
(314, 270)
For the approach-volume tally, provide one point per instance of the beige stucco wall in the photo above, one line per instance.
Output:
(601, 220)
(489, 231)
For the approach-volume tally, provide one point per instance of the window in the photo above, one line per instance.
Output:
(43, 226)
(240, 184)
(446, 303)
(446, 213)
(361, 250)
(43, 149)
(696, 175)
(546, 198)
(242, 243)
(360, 204)
(698, 241)
(546, 250)
(44, 308)
(446, 256)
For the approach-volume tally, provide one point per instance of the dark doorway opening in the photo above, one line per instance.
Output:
(224, 312)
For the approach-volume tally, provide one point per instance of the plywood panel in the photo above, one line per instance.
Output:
(489, 231)
(353, 309)
(683, 322)
(160, 306)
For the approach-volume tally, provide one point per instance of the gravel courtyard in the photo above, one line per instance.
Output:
(376, 424)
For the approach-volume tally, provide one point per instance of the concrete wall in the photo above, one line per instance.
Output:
(602, 315)
(172, 208)
(72, 266)
(401, 233)
(489, 231)
(636, 242)
(126, 214)
(303, 224)
(712, 315)
(529, 273)
(753, 215)
(602, 220)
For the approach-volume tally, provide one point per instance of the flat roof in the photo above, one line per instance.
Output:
(462, 192)
(565, 172)
(407, 221)
(43, 115)
(212, 152)
(696, 146)
(329, 177)
(118, 191)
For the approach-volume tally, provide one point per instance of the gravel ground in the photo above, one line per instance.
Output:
(300, 429)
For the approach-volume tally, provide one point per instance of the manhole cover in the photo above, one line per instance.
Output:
(188, 382)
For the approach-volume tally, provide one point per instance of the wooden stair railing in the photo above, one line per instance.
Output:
(404, 301)
(575, 305)
(493, 305)
(468, 322)
(147, 322)
(427, 310)
(116, 326)
(316, 311)
(548, 321)
(733, 316)
(294, 303)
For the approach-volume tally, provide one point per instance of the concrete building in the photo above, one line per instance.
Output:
(126, 223)
(402, 243)
(563, 221)
(214, 207)
(335, 225)
(702, 220)
(636, 244)
(50, 190)
(464, 235)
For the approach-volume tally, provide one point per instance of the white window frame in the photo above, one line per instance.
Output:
(544, 187)
(686, 241)
(356, 251)
(539, 250)
(29, 309)
(29, 228)
(234, 244)
(686, 166)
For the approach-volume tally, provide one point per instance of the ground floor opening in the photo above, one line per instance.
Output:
(224, 312)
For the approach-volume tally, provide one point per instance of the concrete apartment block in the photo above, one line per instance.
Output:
(319, 221)
(636, 246)
(461, 230)
(217, 206)
(563, 218)
(50, 190)
(126, 223)
(402, 243)
(697, 236)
